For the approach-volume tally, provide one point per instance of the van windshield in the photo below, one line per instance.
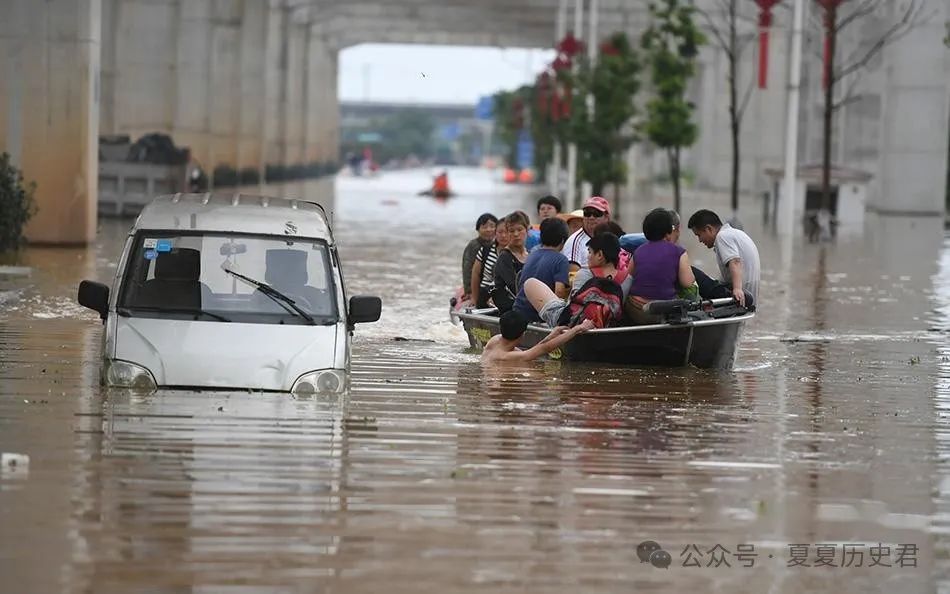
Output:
(219, 277)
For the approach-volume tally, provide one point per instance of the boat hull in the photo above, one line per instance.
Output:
(708, 344)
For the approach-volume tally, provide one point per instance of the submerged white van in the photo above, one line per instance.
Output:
(228, 292)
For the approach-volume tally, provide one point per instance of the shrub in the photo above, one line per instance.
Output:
(16, 204)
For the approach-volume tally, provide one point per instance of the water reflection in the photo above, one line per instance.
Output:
(832, 429)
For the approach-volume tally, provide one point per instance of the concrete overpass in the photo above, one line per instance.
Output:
(253, 82)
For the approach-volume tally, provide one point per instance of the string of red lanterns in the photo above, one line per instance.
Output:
(765, 23)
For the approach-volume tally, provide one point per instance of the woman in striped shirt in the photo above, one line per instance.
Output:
(483, 272)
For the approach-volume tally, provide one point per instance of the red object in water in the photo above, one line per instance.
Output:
(765, 23)
(510, 176)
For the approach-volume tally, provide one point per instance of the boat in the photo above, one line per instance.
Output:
(437, 193)
(704, 335)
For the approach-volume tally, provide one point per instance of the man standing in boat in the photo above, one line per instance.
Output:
(596, 211)
(504, 347)
(736, 254)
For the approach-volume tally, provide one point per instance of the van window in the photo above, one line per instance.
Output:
(177, 276)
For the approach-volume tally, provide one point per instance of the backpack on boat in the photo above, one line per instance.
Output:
(599, 300)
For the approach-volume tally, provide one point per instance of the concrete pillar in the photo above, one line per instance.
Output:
(321, 104)
(191, 97)
(251, 127)
(274, 50)
(332, 116)
(914, 120)
(49, 110)
(224, 67)
(111, 17)
(291, 132)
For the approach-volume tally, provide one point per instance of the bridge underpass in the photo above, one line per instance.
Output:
(252, 83)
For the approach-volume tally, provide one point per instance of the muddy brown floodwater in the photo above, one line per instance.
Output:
(820, 464)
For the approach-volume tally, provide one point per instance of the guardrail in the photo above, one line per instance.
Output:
(126, 187)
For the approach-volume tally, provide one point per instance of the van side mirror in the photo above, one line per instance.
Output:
(95, 296)
(364, 308)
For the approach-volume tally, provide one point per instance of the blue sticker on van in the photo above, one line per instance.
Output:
(150, 254)
(163, 245)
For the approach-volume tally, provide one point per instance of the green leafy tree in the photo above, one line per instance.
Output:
(403, 133)
(604, 136)
(408, 132)
(16, 204)
(511, 109)
(672, 44)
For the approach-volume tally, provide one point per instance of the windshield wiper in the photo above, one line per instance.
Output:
(275, 296)
(176, 310)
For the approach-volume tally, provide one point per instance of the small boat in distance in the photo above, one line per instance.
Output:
(704, 335)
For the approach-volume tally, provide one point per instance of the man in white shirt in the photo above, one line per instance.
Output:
(596, 211)
(736, 254)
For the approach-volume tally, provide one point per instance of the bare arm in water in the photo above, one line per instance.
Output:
(499, 349)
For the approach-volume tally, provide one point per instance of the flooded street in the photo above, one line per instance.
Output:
(822, 460)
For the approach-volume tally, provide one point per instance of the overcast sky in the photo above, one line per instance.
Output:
(434, 73)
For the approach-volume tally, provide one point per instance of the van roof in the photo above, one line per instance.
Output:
(235, 212)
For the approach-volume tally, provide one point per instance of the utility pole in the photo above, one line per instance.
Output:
(786, 210)
(571, 194)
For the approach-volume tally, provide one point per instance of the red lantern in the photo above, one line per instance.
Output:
(570, 46)
(831, 17)
(765, 22)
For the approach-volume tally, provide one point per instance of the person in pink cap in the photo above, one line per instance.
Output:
(596, 211)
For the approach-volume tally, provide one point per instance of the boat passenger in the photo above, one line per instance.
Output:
(483, 271)
(510, 262)
(549, 207)
(485, 225)
(736, 254)
(659, 267)
(613, 227)
(503, 347)
(596, 211)
(574, 220)
(440, 185)
(546, 264)
(601, 283)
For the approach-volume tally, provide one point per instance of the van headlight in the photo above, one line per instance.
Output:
(322, 381)
(122, 374)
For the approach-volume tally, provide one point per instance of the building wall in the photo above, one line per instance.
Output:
(895, 124)
(242, 83)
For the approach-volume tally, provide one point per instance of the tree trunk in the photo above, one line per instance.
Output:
(734, 107)
(674, 155)
(831, 24)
